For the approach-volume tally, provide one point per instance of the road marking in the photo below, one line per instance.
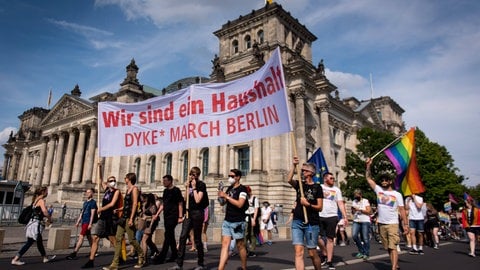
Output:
(354, 261)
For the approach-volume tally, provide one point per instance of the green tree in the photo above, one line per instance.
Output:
(435, 166)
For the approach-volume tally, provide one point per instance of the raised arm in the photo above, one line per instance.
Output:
(292, 172)
(368, 174)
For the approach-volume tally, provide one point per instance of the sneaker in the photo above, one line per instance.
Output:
(420, 252)
(435, 246)
(252, 254)
(176, 267)
(413, 251)
(199, 267)
(138, 265)
(49, 258)
(89, 264)
(109, 268)
(323, 259)
(469, 254)
(72, 256)
(342, 244)
(365, 257)
(17, 262)
(359, 255)
(331, 266)
(269, 243)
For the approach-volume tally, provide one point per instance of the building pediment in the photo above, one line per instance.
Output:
(67, 109)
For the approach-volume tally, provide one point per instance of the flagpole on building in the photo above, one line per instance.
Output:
(388, 145)
(300, 184)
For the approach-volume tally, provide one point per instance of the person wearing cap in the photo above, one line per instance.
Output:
(390, 204)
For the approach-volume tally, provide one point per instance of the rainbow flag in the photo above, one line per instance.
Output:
(402, 155)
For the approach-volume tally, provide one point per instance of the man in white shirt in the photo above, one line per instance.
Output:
(415, 205)
(332, 201)
(390, 204)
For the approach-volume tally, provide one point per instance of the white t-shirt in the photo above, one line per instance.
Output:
(253, 203)
(415, 213)
(331, 195)
(358, 216)
(266, 211)
(388, 202)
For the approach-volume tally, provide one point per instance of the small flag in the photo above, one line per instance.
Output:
(319, 160)
(49, 101)
(452, 199)
(467, 197)
(402, 155)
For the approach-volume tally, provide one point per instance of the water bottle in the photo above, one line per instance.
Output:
(220, 187)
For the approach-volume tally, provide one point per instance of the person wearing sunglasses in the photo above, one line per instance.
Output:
(390, 204)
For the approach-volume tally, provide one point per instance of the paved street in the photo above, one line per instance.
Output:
(451, 255)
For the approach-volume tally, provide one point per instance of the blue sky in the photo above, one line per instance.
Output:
(424, 54)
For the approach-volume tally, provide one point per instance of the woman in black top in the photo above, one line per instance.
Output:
(35, 227)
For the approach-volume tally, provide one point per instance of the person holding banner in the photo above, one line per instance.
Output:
(126, 223)
(196, 202)
(105, 227)
(390, 204)
(305, 223)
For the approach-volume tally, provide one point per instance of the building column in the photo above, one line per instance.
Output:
(299, 124)
(257, 157)
(6, 160)
(67, 164)
(41, 163)
(325, 131)
(48, 163)
(79, 154)
(55, 179)
(90, 159)
(213, 161)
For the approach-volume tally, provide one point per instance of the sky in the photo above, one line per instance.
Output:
(423, 54)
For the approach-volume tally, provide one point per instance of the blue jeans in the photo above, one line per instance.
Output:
(360, 234)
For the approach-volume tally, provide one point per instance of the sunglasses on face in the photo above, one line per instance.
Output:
(112, 180)
(232, 175)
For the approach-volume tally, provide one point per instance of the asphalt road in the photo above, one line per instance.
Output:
(451, 255)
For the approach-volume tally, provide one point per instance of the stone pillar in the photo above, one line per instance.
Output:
(257, 156)
(41, 163)
(6, 159)
(90, 159)
(79, 154)
(213, 161)
(325, 129)
(49, 161)
(299, 124)
(13, 164)
(67, 164)
(55, 179)
(158, 169)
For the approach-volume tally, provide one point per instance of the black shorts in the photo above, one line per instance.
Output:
(104, 228)
(328, 226)
(474, 230)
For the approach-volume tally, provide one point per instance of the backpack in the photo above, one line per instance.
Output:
(26, 215)
(246, 204)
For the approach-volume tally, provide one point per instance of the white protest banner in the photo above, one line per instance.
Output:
(201, 115)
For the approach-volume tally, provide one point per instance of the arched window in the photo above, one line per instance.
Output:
(168, 164)
(260, 36)
(204, 163)
(248, 42)
(152, 162)
(244, 159)
(185, 168)
(235, 46)
(137, 167)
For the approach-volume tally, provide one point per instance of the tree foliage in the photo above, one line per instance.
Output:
(435, 165)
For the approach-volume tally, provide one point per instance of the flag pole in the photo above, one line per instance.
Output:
(187, 195)
(300, 184)
(388, 145)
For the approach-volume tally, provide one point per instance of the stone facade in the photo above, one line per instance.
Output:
(58, 147)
